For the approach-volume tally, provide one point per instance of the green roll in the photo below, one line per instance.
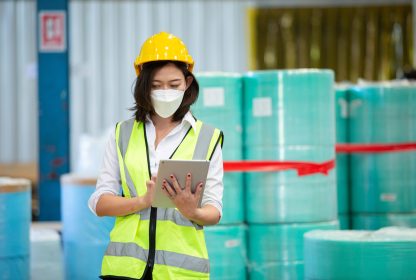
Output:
(220, 104)
(278, 270)
(277, 243)
(385, 182)
(344, 221)
(289, 116)
(227, 251)
(284, 197)
(341, 111)
(377, 221)
(388, 253)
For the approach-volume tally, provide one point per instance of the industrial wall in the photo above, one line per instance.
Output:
(105, 37)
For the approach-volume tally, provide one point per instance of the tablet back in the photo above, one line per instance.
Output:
(180, 169)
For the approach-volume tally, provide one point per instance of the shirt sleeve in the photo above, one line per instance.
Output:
(109, 178)
(214, 186)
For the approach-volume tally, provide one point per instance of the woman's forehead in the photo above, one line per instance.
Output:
(169, 72)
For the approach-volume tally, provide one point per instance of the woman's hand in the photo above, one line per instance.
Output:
(186, 201)
(113, 205)
(147, 198)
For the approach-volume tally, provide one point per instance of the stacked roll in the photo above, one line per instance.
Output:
(227, 251)
(341, 112)
(46, 252)
(85, 236)
(386, 254)
(219, 104)
(15, 218)
(288, 116)
(384, 184)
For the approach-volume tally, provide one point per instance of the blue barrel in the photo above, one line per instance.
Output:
(276, 250)
(15, 218)
(289, 116)
(226, 246)
(341, 111)
(377, 221)
(85, 236)
(220, 104)
(387, 254)
(385, 182)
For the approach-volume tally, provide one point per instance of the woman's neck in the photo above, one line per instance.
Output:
(162, 123)
(162, 127)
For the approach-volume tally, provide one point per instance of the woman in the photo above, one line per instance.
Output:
(148, 242)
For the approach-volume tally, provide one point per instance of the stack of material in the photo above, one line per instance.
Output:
(46, 260)
(387, 254)
(288, 116)
(383, 184)
(15, 217)
(219, 105)
(342, 167)
(85, 236)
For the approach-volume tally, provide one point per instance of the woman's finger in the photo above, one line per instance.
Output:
(188, 182)
(166, 192)
(166, 186)
(198, 191)
(175, 184)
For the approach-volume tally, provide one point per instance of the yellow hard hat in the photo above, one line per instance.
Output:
(163, 46)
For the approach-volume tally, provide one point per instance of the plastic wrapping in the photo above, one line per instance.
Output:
(386, 254)
(46, 255)
(220, 104)
(341, 110)
(15, 218)
(383, 113)
(85, 236)
(273, 246)
(226, 246)
(344, 221)
(289, 116)
(377, 221)
(277, 270)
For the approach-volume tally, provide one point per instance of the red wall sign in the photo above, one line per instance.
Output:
(52, 31)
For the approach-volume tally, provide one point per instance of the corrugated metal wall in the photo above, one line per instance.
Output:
(18, 82)
(105, 37)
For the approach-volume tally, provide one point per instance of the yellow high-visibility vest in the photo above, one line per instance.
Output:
(161, 240)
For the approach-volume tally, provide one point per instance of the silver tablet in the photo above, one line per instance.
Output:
(180, 169)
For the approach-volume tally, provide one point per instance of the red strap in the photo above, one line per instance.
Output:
(303, 168)
(374, 148)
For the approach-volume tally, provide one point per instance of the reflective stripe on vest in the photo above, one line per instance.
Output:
(128, 251)
(162, 257)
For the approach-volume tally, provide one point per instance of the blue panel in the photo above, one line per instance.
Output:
(53, 119)
(85, 236)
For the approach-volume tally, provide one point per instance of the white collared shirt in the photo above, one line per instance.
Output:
(109, 177)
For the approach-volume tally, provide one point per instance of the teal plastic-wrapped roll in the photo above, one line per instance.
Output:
(289, 116)
(341, 110)
(278, 270)
(276, 243)
(344, 221)
(377, 221)
(220, 104)
(226, 246)
(385, 182)
(15, 218)
(387, 254)
(85, 236)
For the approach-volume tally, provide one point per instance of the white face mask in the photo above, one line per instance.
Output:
(166, 101)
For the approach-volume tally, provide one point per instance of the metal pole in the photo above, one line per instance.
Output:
(53, 94)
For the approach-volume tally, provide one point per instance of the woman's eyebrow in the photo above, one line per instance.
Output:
(174, 80)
